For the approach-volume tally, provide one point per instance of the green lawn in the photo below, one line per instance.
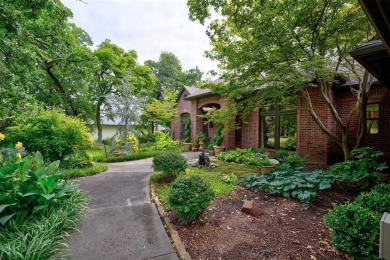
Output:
(216, 178)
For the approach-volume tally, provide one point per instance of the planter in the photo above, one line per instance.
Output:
(201, 143)
(266, 169)
(218, 149)
(212, 152)
(187, 146)
(194, 149)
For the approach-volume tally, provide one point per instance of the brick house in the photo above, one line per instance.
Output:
(255, 130)
(291, 127)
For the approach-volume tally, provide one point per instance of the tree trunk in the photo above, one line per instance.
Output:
(60, 88)
(98, 123)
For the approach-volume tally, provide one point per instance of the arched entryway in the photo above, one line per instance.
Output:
(208, 128)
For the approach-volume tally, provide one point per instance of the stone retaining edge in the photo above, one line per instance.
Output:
(172, 232)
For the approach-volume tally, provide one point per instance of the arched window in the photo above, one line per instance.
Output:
(184, 118)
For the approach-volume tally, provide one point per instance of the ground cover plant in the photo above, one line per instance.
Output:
(252, 156)
(355, 225)
(37, 206)
(42, 235)
(363, 170)
(290, 182)
(95, 168)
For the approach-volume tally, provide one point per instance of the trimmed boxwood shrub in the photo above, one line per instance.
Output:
(170, 165)
(355, 225)
(189, 196)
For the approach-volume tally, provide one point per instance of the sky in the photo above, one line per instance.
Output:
(146, 26)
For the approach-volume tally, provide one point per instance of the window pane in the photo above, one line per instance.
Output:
(183, 120)
(269, 131)
(288, 129)
(372, 111)
(372, 126)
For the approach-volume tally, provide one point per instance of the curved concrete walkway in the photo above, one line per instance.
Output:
(121, 222)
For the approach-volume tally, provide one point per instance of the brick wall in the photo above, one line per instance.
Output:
(310, 139)
(321, 149)
(250, 130)
(184, 106)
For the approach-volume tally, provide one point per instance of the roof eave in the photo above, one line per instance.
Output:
(378, 13)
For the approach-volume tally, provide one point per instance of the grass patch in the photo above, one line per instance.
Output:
(41, 235)
(216, 178)
(94, 169)
(129, 157)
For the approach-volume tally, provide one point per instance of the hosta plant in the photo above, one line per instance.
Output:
(290, 183)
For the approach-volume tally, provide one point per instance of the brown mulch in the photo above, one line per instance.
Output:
(284, 230)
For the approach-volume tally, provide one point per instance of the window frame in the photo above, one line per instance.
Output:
(277, 112)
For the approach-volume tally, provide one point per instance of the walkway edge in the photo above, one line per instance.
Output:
(172, 232)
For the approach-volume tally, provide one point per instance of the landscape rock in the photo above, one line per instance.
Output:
(274, 162)
(250, 207)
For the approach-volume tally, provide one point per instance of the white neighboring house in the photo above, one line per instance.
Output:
(109, 128)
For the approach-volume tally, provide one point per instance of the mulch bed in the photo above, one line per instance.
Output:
(284, 230)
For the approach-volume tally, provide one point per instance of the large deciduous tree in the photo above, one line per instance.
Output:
(170, 80)
(114, 64)
(268, 49)
(43, 57)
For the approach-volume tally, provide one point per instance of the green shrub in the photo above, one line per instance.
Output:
(355, 230)
(187, 131)
(164, 141)
(281, 154)
(290, 183)
(28, 186)
(132, 140)
(52, 133)
(294, 160)
(78, 160)
(355, 226)
(170, 165)
(363, 170)
(252, 156)
(218, 136)
(189, 196)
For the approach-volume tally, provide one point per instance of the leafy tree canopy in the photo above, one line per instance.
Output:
(279, 46)
(170, 75)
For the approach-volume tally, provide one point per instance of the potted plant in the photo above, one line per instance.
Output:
(265, 165)
(200, 137)
(187, 136)
(211, 149)
(217, 141)
(194, 147)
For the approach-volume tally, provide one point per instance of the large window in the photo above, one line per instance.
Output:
(184, 118)
(373, 119)
(279, 125)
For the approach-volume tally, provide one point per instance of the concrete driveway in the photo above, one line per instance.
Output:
(121, 222)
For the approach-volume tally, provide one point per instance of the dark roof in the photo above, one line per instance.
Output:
(199, 93)
(374, 55)
(379, 14)
(375, 58)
